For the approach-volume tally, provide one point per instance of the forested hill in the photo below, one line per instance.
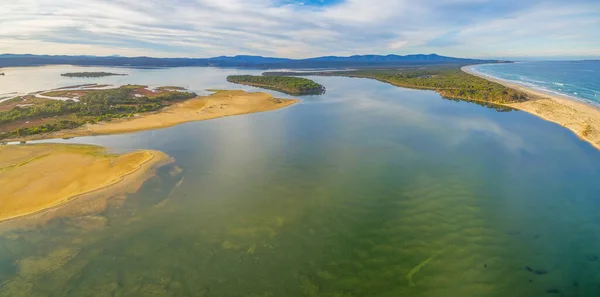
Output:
(358, 61)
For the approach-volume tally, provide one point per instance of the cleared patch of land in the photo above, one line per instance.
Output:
(219, 104)
(580, 118)
(21, 102)
(91, 74)
(41, 176)
(286, 84)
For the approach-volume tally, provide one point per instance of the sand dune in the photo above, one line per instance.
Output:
(42, 176)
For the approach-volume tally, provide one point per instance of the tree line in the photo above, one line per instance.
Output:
(89, 74)
(448, 81)
(285, 84)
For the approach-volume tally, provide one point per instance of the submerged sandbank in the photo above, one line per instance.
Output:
(580, 118)
(220, 104)
(42, 176)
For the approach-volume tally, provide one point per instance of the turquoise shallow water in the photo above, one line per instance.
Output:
(368, 190)
(579, 80)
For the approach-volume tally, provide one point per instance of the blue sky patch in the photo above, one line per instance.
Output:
(317, 3)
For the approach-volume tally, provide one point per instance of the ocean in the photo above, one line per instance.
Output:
(578, 80)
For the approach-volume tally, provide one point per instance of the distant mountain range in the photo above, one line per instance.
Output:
(241, 61)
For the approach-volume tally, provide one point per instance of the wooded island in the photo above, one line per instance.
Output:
(289, 85)
(91, 74)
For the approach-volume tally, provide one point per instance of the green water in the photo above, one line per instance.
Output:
(369, 190)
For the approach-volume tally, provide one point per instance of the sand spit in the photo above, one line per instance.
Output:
(38, 177)
(581, 118)
(219, 104)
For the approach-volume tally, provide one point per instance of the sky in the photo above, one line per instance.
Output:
(302, 28)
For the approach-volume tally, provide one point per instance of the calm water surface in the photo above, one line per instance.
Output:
(368, 190)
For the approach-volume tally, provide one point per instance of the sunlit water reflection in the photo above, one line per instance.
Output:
(368, 190)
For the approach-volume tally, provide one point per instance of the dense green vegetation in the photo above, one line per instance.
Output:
(93, 106)
(285, 84)
(450, 82)
(171, 88)
(51, 126)
(89, 74)
(495, 106)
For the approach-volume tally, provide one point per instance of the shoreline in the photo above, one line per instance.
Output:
(151, 160)
(222, 103)
(580, 118)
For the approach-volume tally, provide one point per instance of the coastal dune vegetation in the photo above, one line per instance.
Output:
(289, 85)
(30, 115)
(121, 110)
(448, 81)
(220, 104)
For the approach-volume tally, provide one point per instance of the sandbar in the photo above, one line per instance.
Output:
(36, 177)
(582, 119)
(220, 104)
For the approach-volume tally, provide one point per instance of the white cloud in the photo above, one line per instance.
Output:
(201, 28)
(397, 44)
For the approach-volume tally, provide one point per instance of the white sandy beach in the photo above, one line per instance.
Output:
(581, 118)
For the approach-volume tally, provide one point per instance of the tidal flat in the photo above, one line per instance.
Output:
(38, 177)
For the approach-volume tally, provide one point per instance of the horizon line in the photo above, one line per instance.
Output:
(506, 58)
